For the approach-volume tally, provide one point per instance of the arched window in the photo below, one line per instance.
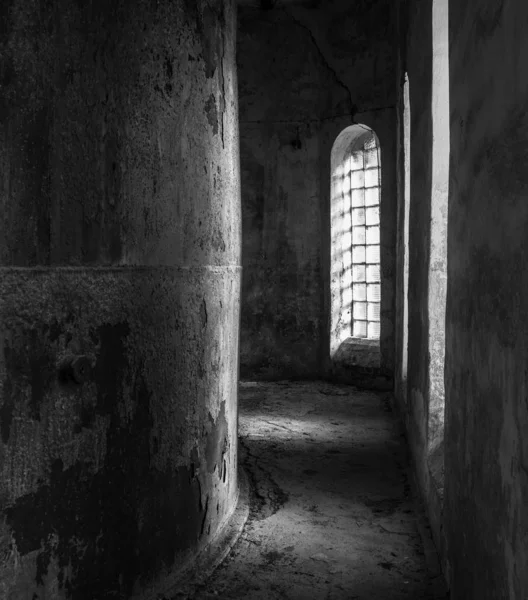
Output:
(355, 236)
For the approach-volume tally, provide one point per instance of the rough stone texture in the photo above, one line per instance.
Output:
(120, 242)
(305, 70)
(121, 121)
(487, 314)
(108, 479)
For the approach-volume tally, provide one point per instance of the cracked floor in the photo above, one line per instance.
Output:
(332, 516)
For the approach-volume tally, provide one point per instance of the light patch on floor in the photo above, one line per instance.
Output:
(332, 516)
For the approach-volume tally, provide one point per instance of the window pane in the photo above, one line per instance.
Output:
(373, 273)
(371, 157)
(359, 291)
(360, 329)
(358, 235)
(373, 254)
(357, 179)
(358, 254)
(347, 297)
(346, 222)
(358, 197)
(372, 215)
(347, 258)
(360, 310)
(371, 142)
(373, 311)
(347, 199)
(358, 273)
(358, 216)
(339, 186)
(372, 196)
(371, 178)
(373, 292)
(356, 161)
(346, 239)
(346, 184)
(373, 235)
(374, 330)
(346, 278)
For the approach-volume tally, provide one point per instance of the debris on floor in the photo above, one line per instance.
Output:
(332, 516)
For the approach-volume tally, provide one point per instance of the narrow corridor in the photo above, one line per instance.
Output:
(332, 514)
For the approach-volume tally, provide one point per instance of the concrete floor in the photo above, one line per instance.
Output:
(332, 516)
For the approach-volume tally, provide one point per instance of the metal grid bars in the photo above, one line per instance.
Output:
(361, 188)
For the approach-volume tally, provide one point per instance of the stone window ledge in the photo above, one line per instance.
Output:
(358, 352)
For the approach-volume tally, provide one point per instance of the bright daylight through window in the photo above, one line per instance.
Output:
(361, 192)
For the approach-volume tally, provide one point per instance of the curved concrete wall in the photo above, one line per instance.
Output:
(119, 292)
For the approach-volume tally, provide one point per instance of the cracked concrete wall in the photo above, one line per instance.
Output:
(119, 295)
(305, 73)
(487, 316)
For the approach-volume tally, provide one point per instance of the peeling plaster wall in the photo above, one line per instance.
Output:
(119, 246)
(303, 72)
(487, 314)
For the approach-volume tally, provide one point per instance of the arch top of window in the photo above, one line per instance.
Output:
(351, 139)
(355, 235)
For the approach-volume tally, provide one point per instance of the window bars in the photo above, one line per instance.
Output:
(361, 186)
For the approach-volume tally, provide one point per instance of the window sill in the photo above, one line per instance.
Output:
(363, 342)
(358, 352)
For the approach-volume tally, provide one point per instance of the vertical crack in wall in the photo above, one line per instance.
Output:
(339, 81)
